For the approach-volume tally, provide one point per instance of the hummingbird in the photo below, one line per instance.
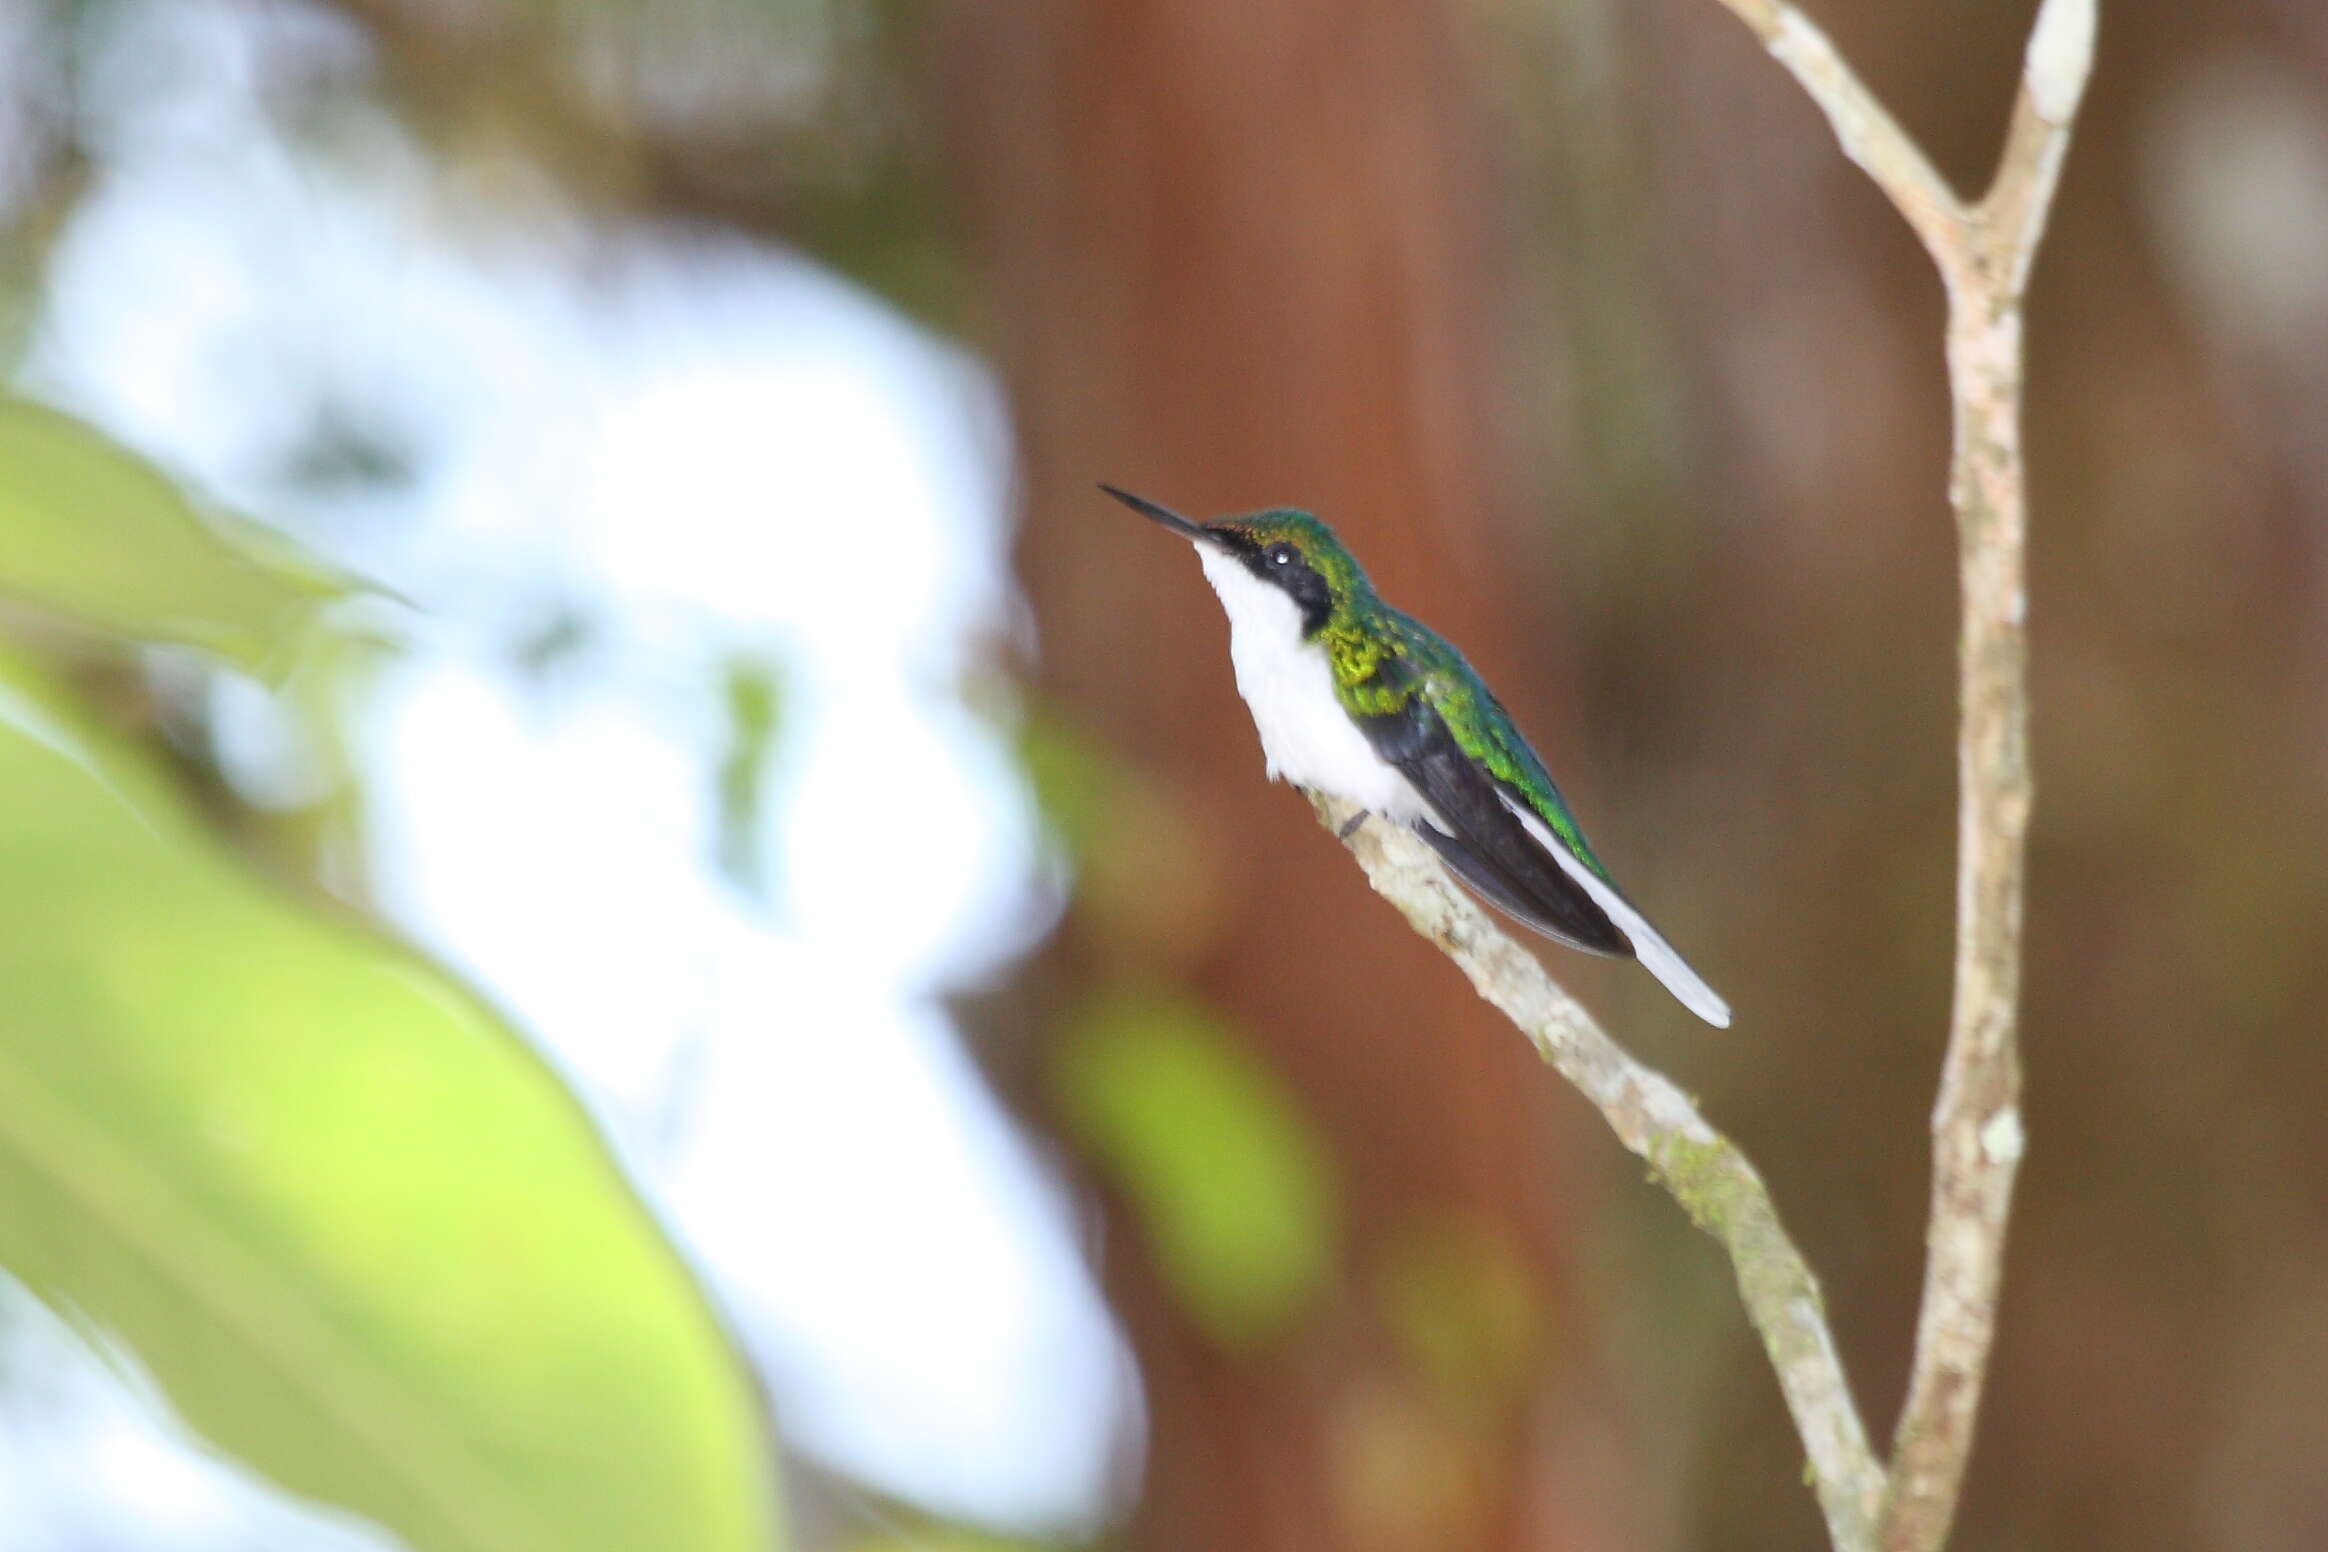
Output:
(1358, 701)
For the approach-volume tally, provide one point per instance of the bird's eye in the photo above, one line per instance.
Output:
(1281, 555)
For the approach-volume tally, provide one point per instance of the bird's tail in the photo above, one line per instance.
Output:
(1649, 946)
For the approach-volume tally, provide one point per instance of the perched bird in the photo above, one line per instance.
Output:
(1356, 700)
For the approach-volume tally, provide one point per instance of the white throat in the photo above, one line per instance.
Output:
(1306, 736)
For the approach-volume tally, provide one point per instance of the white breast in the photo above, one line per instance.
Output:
(1306, 736)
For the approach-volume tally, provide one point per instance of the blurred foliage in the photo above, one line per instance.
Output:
(1078, 782)
(359, 1234)
(1461, 1302)
(1232, 1184)
(1147, 879)
(943, 1538)
(754, 697)
(792, 119)
(98, 537)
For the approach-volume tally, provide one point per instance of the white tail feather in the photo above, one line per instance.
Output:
(1656, 955)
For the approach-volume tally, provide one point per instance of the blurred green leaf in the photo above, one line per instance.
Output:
(1146, 874)
(754, 692)
(1464, 1307)
(945, 1538)
(353, 1227)
(1077, 781)
(96, 535)
(1232, 1185)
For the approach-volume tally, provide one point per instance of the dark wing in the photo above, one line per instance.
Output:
(1483, 840)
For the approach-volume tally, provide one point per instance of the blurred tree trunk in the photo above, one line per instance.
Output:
(1232, 258)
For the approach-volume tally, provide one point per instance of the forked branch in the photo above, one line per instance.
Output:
(1983, 250)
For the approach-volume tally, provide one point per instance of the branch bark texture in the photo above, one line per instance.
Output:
(1704, 1170)
(1983, 250)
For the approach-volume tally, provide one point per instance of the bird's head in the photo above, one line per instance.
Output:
(1285, 549)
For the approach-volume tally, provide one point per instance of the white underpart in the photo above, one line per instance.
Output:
(1656, 955)
(1306, 736)
(1309, 740)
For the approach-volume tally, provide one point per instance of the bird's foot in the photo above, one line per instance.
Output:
(1350, 825)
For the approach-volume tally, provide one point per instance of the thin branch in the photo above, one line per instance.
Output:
(2054, 71)
(1984, 252)
(1702, 1169)
(1977, 1134)
(1868, 133)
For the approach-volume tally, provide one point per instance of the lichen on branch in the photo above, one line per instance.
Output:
(1702, 1169)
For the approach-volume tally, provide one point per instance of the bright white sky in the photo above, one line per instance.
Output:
(704, 451)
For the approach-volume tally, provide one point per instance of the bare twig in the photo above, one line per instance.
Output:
(1869, 135)
(1976, 1125)
(1703, 1170)
(1983, 250)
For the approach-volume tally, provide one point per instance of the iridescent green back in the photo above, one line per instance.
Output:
(1382, 658)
